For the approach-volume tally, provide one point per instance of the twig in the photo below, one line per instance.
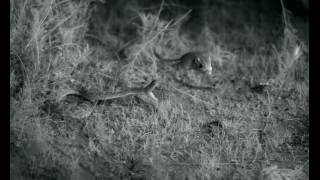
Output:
(181, 18)
(187, 94)
(144, 45)
(194, 86)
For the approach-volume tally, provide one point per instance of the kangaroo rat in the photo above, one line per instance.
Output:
(191, 60)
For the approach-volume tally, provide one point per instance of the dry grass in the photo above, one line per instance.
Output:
(232, 132)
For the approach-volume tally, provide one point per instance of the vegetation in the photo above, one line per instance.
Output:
(255, 116)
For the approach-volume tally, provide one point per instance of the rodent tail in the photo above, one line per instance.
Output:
(161, 58)
(157, 55)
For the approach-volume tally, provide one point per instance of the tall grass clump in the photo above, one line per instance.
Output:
(46, 44)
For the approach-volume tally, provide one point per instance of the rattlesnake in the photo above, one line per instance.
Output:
(147, 90)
